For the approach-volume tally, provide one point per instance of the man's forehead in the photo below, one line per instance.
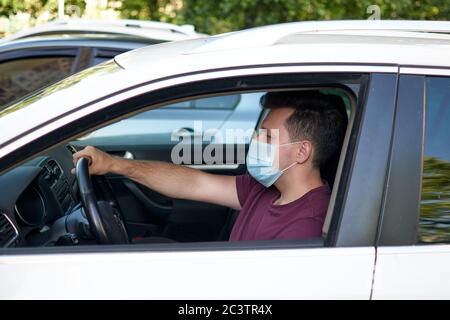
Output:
(276, 118)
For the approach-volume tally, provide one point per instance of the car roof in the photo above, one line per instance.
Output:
(77, 40)
(140, 29)
(384, 43)
(424, 43)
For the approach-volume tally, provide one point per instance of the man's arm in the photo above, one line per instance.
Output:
(169, 179)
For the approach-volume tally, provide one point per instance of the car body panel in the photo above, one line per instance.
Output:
(268, 35)
(254, 274)
(412, 272)
(345, 49)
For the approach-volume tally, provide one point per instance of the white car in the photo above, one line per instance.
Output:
(150, 30)
(386, 235)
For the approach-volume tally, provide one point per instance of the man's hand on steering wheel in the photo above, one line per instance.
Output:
(100, 162)
(104, 219)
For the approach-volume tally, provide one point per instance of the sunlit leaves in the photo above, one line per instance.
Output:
(434, 223)
(213, 17)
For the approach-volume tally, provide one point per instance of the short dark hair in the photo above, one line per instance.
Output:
(319, 118)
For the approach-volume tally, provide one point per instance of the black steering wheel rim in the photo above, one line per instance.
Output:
(90, 204)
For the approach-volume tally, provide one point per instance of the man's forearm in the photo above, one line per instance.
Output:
(172, 180)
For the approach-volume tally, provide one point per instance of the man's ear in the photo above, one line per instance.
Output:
(304, 151)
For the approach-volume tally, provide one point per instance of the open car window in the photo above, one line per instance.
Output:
(168, 134)
(154, 134)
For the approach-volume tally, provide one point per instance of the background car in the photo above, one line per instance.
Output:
(151, 30)
(35, 58)
(386, 228)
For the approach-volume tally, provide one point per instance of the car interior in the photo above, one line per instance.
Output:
(49, 206)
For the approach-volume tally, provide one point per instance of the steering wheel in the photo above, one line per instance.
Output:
(104, 220)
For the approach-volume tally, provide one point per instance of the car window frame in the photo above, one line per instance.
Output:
(134, 105)
(368, 161)
(23, 53)
(104, 53)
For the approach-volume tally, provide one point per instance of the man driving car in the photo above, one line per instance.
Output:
(283, 195)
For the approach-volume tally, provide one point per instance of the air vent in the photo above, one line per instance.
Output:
(71, 148)
(54, 172)
(54, 168)
(8, 232)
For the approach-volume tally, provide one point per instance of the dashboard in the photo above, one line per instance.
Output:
(34, 195)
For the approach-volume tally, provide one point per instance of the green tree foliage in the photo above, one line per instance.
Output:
(229, 15)
(216, 16)
(435, 205)
(140, 9)
(8, 7)
(34, 7)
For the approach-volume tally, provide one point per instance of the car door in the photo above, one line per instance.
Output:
(413, 256)
(338, 265)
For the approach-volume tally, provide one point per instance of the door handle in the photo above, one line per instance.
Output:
(184, 133)
(123, 154)
(128, 155)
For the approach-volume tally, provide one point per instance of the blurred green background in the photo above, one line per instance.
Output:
(212, 17)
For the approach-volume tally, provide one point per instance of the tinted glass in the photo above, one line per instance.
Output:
(98, 60)
(434, 223)
(223, 102)
(213, 103)
(20, 77)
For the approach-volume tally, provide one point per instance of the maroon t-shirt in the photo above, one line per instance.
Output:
(260, 219)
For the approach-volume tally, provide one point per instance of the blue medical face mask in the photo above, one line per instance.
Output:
(260, 162)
